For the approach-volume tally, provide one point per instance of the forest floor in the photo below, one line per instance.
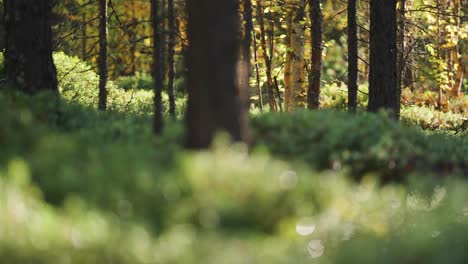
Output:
(82, 186)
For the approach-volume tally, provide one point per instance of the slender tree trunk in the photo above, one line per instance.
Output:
(408, 73)
(84, 36)
(103, 71)
(158, 66)
(2, 26)
(352, 57)
(383, 87)
(246, 54)
(299, 92)
(133, 38)
(257, 75)
(171, 55)
(458, 62)
(214, 97)
(266, 57)
(28, 54)
(401, 46)
(288, 61)
(366, 38)
(316, 17)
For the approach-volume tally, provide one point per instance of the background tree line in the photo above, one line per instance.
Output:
(398, 49)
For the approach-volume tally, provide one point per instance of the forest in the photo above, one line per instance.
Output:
(233, 131)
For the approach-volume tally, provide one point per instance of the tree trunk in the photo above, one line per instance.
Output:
(287, 63)
(158, 66)
(214, 97)
(170, 58)
(103, 71)
(2, 27)
(266, 57)
(132, 35)
(257, 75)
(28, 54)
(383, 88)
(401, 46)
(244, 70)
(316, 17)
(298, 98)
(352, 57)
(84, 37)
(408, 73)
(458, 62)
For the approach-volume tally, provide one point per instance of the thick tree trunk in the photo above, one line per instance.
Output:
(352, 57)
(214, 97)
(103, 71)
(316, 17)
(170, 58)
(383, 88)
(266, 57)
(298, 98)
(28, 55)
(158, 66)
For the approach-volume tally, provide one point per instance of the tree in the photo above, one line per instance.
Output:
(103, 71)
(28, 54)
(298, 96)
(158, 66)
(2, 27)
(214, 102)
(383, 88)
(316, 17)
(267, 58)
(170, 56)
(352, 57)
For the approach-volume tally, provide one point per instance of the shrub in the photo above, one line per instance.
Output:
(366, 143)
(92, 187)
(335, 96)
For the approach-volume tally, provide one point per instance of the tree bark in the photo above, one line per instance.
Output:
(28, 54)
(214, 97)
(257, 75)
(408, 73)
(103, 40)
(158, 66)
(401, 42)
(352, 57)
(298, 98)
(266, 57)
(316, 17)
(2, 26)
(170, 57)
(458, 62)
(84, 36)
(383, 88)
(288, 60)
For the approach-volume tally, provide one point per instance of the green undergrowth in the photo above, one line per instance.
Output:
(366, 143)
(87, 187)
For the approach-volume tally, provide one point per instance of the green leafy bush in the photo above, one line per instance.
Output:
(335, 96)
(366, 143)
(82, 186)
(431, 119)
